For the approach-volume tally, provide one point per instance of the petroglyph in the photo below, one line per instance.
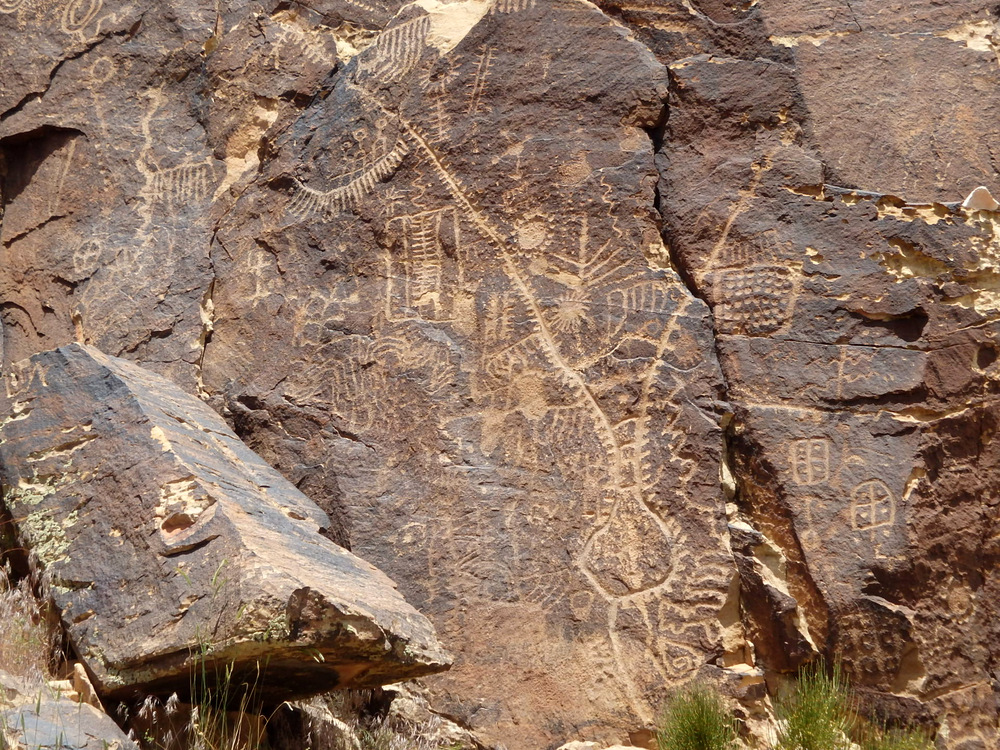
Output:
(353, 385)
(22, 374)
(11, 6)
(521, 368)
(437, 90)
(87, 259)
(307, 201)
(182, 185)
(78, 14)
(297, 42)
(397, 50)
(754, 289)
(428, 238)
(559, 375)
(371, 7)
(415, 355)
(810, 460)
(167, 190)
(632, 552)
(872, 506)
(484, 63)
(754, 300)
(512, 6)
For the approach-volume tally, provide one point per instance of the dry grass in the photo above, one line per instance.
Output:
(391, 735)
(25, 645)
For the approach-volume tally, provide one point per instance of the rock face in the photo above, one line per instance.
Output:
(162, 539)
(467, 294)
(414, 253)
(857, 332)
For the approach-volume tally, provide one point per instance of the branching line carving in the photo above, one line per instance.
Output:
(564, 371)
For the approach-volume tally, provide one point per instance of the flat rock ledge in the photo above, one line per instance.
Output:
(165, 542)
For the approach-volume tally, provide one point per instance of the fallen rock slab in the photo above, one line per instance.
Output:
(165, 542)
(61, 724)
(37, 716)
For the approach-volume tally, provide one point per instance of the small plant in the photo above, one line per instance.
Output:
(25, 645)
(818, 713)
(880, 737)
(696, 718)
(226, 714)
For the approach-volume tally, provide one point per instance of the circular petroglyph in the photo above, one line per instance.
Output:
(9, 6)
(79, 13)
(872, 505)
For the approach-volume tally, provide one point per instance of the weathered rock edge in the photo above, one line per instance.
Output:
(161, 538)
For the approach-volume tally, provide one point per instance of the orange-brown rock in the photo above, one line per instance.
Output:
(856, 327)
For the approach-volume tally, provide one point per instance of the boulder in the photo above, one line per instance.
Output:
(166, 544)
(37, 716)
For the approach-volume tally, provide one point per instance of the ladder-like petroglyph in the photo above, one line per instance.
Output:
(512, 6)
(810, 460)
(181, 185)
(484, 64)
(423, 279)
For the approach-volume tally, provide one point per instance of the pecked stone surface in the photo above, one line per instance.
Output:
(125, 126)
(161, 538)
(410, 252)
(456, 262)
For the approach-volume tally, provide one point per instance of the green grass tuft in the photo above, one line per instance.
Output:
(818, 713)
(880, 737)
(696, 718)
